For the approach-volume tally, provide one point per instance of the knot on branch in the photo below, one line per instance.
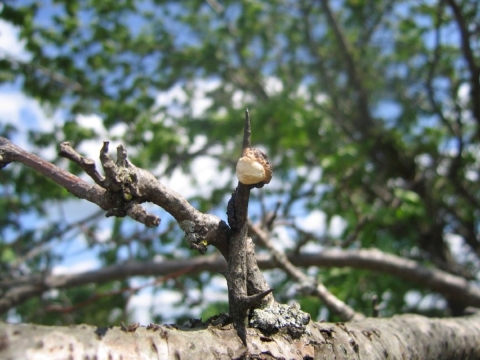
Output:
(126, 185)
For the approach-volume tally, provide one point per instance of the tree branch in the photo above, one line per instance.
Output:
(93, 193)
(238, 298)
(334, 304)
(365, 119)
(401, 337)
(469, 55)
(122, 191)
(20, 289)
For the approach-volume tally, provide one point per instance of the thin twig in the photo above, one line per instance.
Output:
(238, 298)
(247, 133)
(334, 304)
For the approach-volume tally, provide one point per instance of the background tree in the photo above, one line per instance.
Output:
(369, 111)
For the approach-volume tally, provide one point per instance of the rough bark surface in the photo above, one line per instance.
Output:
(400, 337)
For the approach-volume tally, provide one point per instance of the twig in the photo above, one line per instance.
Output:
(87, 165)
(247, 133)
(365, 121)
(10, 152)
(53, 75)
(55, 232)
(216, 6)
(334, 304)
(239, 300)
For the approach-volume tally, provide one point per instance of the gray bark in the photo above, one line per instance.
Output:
(400, 337)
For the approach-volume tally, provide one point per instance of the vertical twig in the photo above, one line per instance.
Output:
(239, 301)
(247, 133)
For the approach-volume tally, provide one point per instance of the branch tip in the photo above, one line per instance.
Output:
(104, 149)
(247, 132)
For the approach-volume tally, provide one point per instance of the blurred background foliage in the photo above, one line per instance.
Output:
(369, 111)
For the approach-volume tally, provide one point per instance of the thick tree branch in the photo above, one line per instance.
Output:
(401, 337)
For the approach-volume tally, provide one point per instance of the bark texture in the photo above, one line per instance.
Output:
(400, 337)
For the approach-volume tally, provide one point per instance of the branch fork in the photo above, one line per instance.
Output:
(126, 185)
